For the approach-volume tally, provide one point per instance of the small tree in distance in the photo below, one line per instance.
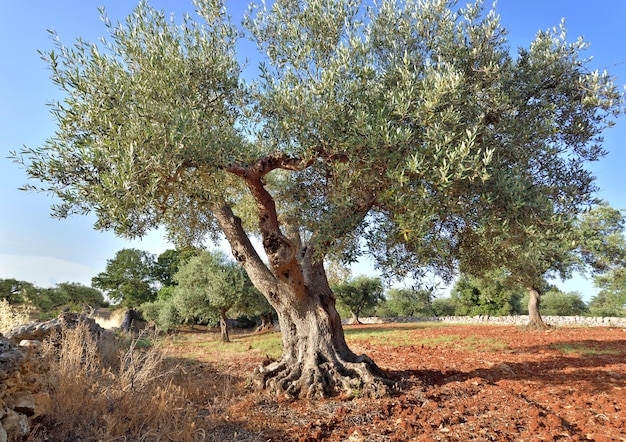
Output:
(209, 284)
(407, 302)
(493, 294)
(359, 293)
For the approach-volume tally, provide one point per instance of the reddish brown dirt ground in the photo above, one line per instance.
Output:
(464, 383)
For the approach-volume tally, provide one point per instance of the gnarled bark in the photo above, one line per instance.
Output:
(316, 360)
(534, 316)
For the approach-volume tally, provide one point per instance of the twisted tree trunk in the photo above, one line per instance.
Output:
(534, 316)
(224, 326)
(354, 318)
(316, 360)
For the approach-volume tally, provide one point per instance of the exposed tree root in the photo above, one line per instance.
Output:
(324, 378)
(538, 325)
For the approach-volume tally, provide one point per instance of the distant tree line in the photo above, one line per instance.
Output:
(49, 302)
(469, 296)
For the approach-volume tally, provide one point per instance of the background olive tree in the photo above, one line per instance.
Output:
(211, 285)
(407, 302)
(358, 294)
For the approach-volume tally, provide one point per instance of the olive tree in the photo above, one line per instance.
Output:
(611, 298)
(577, 239)
(407, 302)
(490, 295)
(389, 130)
(603, 245)
(359, 293)
(210, 284)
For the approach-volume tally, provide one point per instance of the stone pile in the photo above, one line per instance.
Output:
(24, 388)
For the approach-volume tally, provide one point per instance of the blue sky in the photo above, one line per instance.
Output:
(46, 251)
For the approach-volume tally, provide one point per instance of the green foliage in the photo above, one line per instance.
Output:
(128, 278)
(14, 291)
(611, 299)
(163, 313)
(406, 303)
(79, 295)
(336, 272)
(49, 301)
(205, 285)
(209, 283)
(600, 238)
(168, 263)
(444, 306)
(489, 295)
(557, 303)
(359, 293)
(604, 248)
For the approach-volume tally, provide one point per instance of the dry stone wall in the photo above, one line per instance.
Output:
(582, 321)
(24, 388)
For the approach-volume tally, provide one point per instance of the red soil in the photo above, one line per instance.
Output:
(465, 383)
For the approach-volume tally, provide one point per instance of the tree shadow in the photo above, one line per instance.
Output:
(211, 391)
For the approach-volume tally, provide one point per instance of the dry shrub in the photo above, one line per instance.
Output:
(136, 395)
(13, 315)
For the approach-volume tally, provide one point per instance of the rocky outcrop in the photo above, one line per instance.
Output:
(24, 380)
(24, 388)
(41, 330)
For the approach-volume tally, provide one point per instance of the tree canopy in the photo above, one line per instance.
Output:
(210, 284)
(405, 130)
(407, 302)
(128, 278)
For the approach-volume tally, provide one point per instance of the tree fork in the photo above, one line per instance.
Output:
(316, 360)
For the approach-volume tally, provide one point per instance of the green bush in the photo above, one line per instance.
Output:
(443, 306)
(557, 303)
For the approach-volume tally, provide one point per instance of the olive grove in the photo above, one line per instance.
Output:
(408, 131)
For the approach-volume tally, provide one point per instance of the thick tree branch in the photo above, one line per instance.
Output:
(282, 251)
(263, 166)
(243, 250)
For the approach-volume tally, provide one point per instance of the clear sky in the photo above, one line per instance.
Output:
(46, 251)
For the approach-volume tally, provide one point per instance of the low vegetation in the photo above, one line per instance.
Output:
(188, 386)
(13, 315)
(123, 390)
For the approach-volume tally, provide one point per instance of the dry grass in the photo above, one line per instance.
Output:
(126, 391)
